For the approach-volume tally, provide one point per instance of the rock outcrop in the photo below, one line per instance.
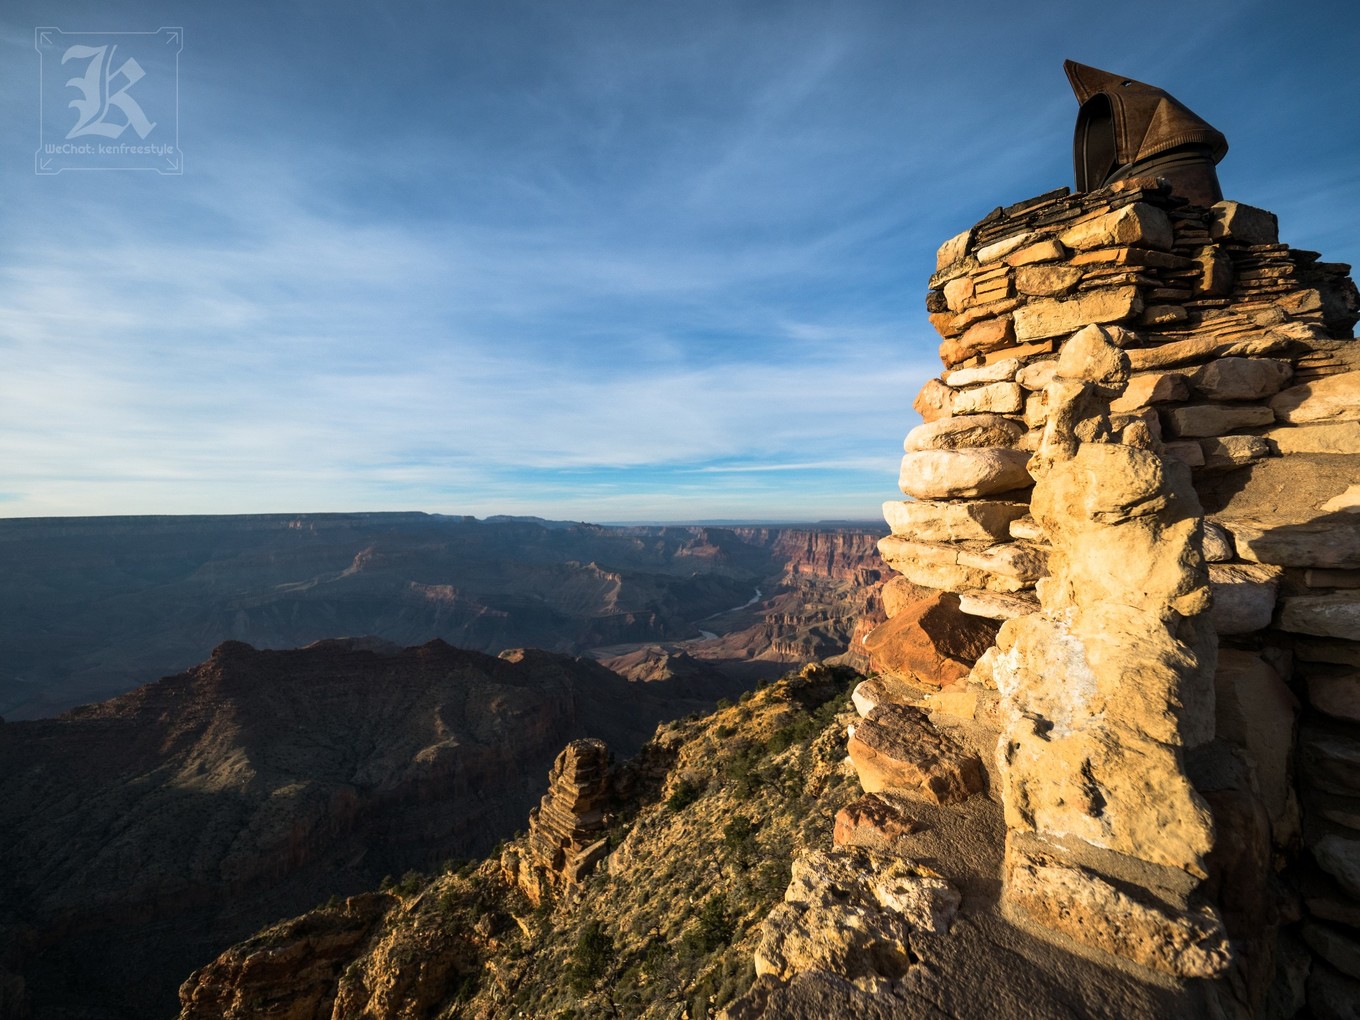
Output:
(567, 836)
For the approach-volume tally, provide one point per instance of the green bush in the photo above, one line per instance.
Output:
(685, 794)
(591, 957)
(739, 834)
(715, 928)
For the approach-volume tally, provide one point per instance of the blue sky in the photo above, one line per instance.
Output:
(589, 260)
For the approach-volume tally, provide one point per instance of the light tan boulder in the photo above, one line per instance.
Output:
(964, 432)
(1046, 281)
(1223, 453)
(1346, 502)
(1332, 398)
(1086, 908)
(1146, 388)
(1188, 453)
(897, 748)
(1037, 374)
(1048, 317)
(992, 398)
(958, 292)
(947, 474)
(953, 250)
(933, 400)
(997, 606)
(1000, 249)
(936, 565)
(1234, 221)
(1218, 547)
(1027, 529)
(1040, 251)
(851, 911)
(982, 520)
(1020, 560)
(1202, 348)
(1241, 378)
(1091, 355)
(1139, 225)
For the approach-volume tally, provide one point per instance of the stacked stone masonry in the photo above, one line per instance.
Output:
(1168, 392)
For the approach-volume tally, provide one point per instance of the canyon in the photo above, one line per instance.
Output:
(92, 607)
(1105, 759)
(143, 834)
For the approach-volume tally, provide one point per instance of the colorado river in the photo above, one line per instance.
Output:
(749, 602)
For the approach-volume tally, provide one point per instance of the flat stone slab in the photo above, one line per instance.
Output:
(974, 521)
(1330, 541)
(951, 474)
(992, 605)
(1322, 615)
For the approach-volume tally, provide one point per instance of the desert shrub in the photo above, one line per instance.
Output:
(656, 957)
(590, 957)
(685, 794)
(715, 927)
(739, 834)
(724, 703)
(411, 883)
(772, 878)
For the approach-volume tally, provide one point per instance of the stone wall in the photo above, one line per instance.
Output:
(1140, 464)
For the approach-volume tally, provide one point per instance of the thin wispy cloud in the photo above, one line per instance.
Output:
(606, 260)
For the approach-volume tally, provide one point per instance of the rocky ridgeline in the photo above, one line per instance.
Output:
(567, 835)
(1131, 557)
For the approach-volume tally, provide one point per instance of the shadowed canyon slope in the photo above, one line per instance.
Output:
(91, 607)
(142, 835)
